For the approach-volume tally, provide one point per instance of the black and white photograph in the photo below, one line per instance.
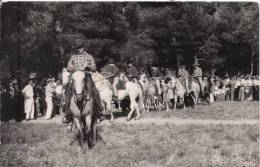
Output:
(129, 84)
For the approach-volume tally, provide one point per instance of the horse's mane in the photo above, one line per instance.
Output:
(90, 85)
(92, 90)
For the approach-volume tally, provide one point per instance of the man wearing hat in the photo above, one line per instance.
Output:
(131, 71)
(82, 61)
(28, 99)
(49, 92)
(197, 74)
(110, 70)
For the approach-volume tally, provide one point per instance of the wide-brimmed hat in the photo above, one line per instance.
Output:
(195, 64)
(50, 79)
(14, 81)
(32, 75)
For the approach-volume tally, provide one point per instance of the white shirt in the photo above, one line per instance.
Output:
(28, 91)
(242, 82)
(49, 90)
(237, 83)
(256, 82)
(58, 89)
(249, 82)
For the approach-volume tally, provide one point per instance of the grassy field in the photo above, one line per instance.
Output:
(225, 110)
(47, 145)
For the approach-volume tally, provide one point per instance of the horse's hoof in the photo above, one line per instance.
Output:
(128, 119)
(137, 118)
(111, 120)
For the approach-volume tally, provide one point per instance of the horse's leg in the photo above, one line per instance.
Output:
(119, 105)
(133, 106)
(81, 134)
(183, 97)
(130, 114)
(109, 108)
(89, 130)
(193, 99)
(196, 97)
(175, 102)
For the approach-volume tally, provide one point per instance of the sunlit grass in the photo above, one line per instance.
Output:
(42, 145)
(218, 110)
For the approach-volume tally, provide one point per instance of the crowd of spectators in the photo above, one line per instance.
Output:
(47, 93)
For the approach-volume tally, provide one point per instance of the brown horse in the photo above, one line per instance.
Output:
(82, 108)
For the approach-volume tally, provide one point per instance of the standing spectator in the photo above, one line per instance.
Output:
(237, 87)
(256, 88)
(37, 98)
(226, 86)
(248, 88)
(11, 101)
(241, 95)
(232, 84)
(29, 101)
(211, 89)
(49, 92)
(2, 92)
(58, 95)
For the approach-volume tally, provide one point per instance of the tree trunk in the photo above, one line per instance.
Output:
(213, 71)
(252, 64)
(178, 61)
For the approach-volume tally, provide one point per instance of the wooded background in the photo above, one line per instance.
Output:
(40, 36)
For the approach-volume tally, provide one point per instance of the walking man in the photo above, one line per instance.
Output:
(49, 92)
(28, 100)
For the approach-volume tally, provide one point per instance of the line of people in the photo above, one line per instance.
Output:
(42, 97)
(37, 98)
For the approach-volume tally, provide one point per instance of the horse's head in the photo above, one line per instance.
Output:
(143, 77)
(170, 82)
(65, 76)
(78, 84)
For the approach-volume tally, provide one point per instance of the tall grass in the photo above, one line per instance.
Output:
(47, 145)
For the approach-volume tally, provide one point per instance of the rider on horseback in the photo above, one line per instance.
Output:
(132, 72)
(82, 61)
(197, 74)
(183, 76)
(111, 71)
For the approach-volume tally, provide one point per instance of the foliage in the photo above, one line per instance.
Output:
(221, 35)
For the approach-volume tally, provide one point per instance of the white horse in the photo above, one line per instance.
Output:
(104, 88)
(179, 91)
(194, 92)
(134, 91)
(174, 90)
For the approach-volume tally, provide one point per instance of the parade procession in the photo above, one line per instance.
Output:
(103, 72)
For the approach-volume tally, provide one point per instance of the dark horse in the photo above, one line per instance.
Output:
(83, 109)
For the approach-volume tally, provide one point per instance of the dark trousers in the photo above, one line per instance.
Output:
(232, 93)
(255, 93)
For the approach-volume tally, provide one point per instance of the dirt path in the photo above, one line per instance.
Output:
(159, 121)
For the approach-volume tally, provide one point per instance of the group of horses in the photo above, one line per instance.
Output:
(144, 94)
